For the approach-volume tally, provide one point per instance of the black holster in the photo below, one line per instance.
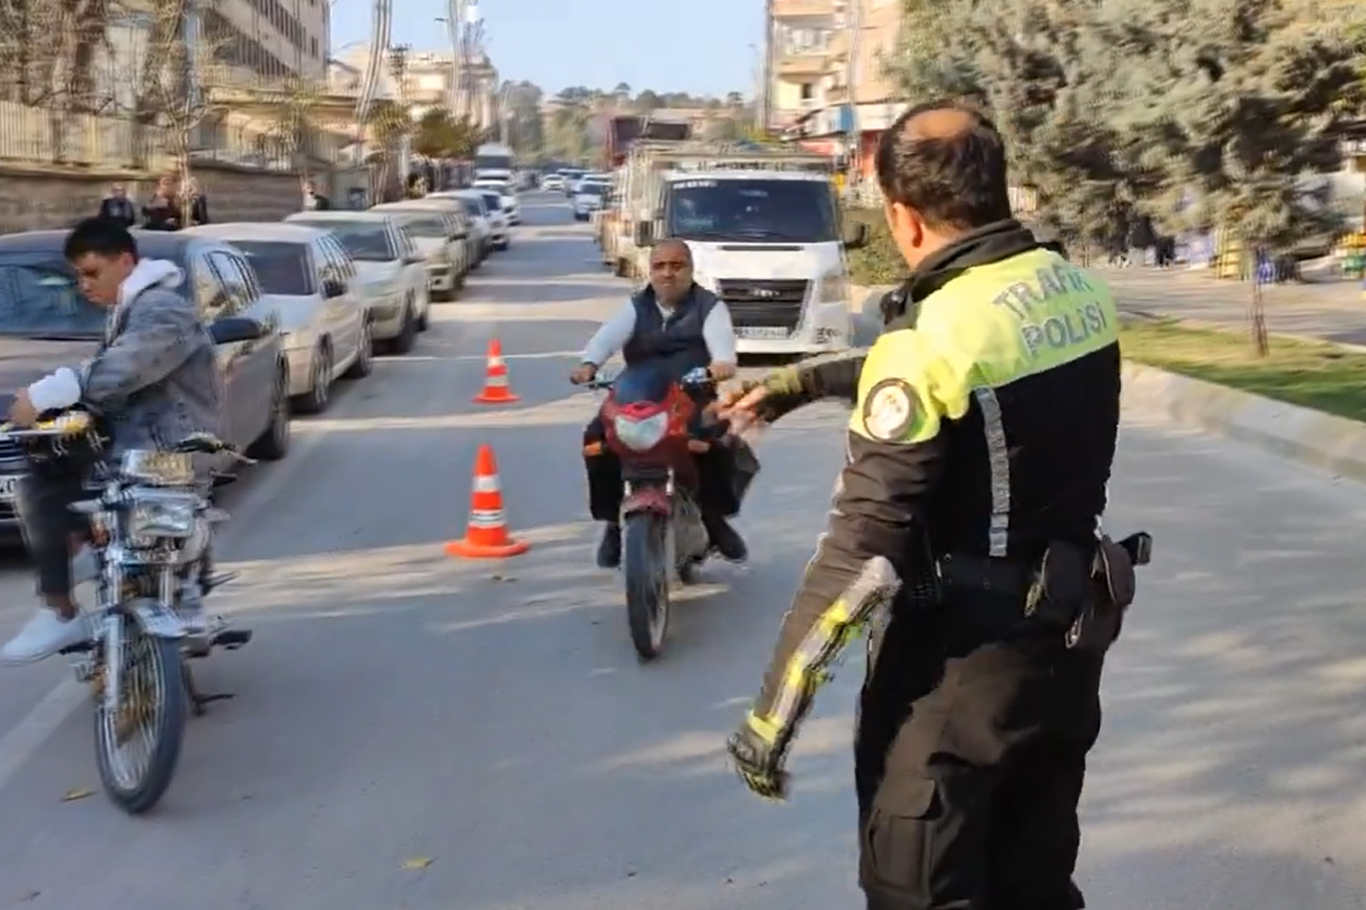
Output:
(1080, 592)
(1087, 591)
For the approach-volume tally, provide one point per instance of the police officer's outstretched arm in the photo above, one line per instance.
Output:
(896, 455)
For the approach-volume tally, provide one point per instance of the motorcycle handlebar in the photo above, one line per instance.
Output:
(692, 379)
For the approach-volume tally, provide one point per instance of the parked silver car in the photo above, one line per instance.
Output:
(440, 238)
(390, 270)
(310, 280)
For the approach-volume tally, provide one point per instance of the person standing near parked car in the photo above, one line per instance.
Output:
(117, 207)
(162, 211)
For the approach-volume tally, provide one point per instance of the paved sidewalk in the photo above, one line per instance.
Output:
(1330, 310)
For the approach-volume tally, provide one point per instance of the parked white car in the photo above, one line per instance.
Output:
(499, 224)
(507, 198)
(391, 271)
(588, 198)
(440, 239)
(309, 279)
(477, 213)
(552, 182)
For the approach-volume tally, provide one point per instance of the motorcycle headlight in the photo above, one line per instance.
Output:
(641, 435)
(834, 288)
(152, 518)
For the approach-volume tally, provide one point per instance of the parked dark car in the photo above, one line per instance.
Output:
(45, 323)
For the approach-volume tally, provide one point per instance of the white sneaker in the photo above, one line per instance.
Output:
(43, 636)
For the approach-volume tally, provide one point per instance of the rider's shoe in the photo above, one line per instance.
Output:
(609, 549)
(726, 539)
(44, 635)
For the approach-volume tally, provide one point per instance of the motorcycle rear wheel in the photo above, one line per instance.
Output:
(152, 709)
(645, 568)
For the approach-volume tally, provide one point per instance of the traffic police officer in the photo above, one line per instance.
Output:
(965, 531)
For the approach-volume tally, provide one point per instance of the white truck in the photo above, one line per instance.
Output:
(494, 161)
(765, 230)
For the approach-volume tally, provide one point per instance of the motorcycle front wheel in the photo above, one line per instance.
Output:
(644, 564)
(137, 745)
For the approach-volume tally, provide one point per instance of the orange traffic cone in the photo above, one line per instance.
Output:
(496, 389)
(486, 536)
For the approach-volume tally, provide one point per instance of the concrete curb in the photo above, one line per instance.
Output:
(1324, 441)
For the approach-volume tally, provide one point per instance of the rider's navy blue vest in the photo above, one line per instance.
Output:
(677, 340)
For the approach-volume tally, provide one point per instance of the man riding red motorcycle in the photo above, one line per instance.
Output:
(685, 326)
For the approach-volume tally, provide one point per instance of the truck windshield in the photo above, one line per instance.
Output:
(756, 210)
(493, 163)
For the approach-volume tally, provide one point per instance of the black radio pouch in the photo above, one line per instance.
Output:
(1087, 593)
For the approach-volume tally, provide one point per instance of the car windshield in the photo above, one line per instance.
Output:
(281, 266)
(366, 241)
(472, 207)
(494, 201)
(40, 300)
(422, 225)
(785, 211)
(593, 189)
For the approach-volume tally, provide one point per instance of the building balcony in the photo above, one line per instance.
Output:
(803, 66)
(806, 9)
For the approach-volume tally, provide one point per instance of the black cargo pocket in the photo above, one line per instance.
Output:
(899, 840)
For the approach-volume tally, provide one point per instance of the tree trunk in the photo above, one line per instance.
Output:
(1257, 307)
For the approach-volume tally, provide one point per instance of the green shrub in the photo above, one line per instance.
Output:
(878, 262)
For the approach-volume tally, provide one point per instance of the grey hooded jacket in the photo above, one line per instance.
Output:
(155, 377)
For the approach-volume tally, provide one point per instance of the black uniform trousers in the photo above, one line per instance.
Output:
(969, 758)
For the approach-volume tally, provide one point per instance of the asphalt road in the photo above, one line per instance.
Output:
(399, 706)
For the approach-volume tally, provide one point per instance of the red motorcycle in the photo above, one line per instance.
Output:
(649, 423)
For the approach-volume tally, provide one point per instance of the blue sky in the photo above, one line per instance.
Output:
(697, 46)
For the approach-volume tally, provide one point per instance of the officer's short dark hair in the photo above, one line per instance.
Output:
(953, 179)
(101, 237)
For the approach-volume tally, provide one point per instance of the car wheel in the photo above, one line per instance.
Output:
(273, 444)
(504, 245)
(364, 364)
(423, 321)
(407, 333)
(319, 393)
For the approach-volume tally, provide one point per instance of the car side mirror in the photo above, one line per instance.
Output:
(233, 329)
(645, 234)
(855, 235)
(333, 288)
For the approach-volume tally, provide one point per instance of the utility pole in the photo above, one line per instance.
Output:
(854, 138)
(766, 102)
(398, 66)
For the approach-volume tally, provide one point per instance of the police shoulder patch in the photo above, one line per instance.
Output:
(889, 410)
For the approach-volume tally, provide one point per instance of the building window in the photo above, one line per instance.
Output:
(313, 46)
(808, 91)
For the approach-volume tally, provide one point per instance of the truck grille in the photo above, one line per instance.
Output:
(764, 302)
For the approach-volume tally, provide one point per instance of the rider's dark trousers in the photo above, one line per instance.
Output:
(969, 758)
(48, 523)
(715, 476)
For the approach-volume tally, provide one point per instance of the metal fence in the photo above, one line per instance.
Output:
(45, 136)
(38, 135)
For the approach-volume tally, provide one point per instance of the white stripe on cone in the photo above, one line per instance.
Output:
(487, 519)
(488, 484)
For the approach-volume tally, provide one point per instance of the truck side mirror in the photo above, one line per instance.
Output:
(645, 234)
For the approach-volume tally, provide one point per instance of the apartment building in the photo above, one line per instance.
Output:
(427, 82)
(269, 39)
(820, 48)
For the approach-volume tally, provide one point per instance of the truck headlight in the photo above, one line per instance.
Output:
(833, 288)
(641, 435)
(151, 518)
